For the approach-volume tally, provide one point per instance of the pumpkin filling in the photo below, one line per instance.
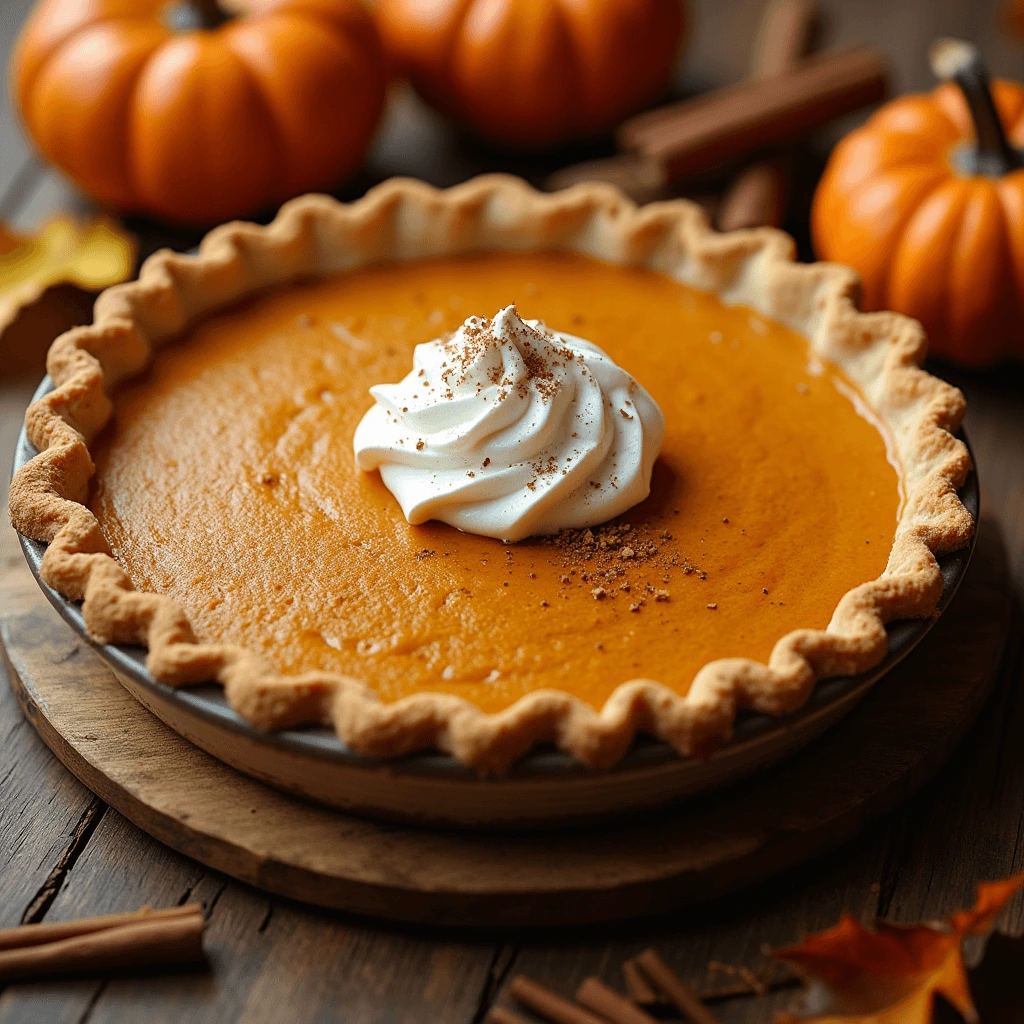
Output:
(227, 481)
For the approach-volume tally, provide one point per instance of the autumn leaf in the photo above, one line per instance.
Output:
(892, 974)
(92, 254)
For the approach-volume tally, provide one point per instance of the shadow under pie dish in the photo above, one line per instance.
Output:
(807, 480)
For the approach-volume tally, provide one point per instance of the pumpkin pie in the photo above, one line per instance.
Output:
(202, 497)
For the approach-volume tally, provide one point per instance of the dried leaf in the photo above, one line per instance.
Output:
(892, 975)
(91, 254)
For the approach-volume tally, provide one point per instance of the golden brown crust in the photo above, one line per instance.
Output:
(406, 220)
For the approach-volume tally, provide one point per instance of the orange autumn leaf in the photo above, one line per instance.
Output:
(992, 897)
(892, 974)
(92, 254)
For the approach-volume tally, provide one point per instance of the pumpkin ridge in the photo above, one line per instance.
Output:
(131, 114)
(128, 127)
(962, 202)
(940, 183)
(26, 87)
(127, 135)
(326, 23)
(117, 114)
(881, 300)
(209, 62)
(577, 16)
(906, 151)
(346, 51)
(972, 207)
(450, 44)
(281, 170)
(1011, 215)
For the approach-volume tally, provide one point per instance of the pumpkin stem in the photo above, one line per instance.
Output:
(195, 15)
(958, 61)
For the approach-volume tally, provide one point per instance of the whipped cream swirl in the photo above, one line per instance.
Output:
(507, 429)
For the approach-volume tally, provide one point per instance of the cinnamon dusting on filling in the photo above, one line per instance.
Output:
(608, 561)
(620, 557)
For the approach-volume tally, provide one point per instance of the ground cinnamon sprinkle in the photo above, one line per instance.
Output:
(477, 337)
(618, 557)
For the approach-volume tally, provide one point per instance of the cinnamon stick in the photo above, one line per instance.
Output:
(595, 995)
(168, 939)
(502, 1015)
(758, 194)
(663, 979)
(641, 179)
(36, 934)
(637, 985)
(756, 198)
(549, 1005)
(784, 37)
(702, 133)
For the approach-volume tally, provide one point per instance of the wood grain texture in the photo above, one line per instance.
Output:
(925, 860)
(269, 962)
(45, 813)
(675, 856)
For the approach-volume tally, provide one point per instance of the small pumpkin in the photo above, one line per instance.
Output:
(188, 113)
(926, 203)
(533, 72)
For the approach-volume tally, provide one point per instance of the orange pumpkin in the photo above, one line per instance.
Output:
(926, 203)
(184, 112)
(532, 72)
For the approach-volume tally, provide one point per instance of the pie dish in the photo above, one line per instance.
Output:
(872, 422)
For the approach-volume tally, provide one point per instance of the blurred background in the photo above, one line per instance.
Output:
(110, 150)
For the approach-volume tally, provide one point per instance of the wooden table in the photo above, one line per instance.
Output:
(63, 853)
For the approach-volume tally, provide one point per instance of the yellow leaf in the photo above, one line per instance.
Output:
(91, 254)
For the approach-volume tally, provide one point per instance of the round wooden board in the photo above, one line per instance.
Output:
(863, 766)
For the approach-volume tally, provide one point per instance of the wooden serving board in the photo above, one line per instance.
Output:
(864, 766)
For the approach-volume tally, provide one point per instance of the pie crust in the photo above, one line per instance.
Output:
(407, 220)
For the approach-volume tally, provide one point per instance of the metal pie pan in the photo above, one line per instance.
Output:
(544, 787)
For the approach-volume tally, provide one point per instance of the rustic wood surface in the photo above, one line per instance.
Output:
(64, 853)
(673, 857)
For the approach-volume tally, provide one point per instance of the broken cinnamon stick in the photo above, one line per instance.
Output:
(595, 995)
(641, 179)
(758, 195)
(699, 134)
(144, 942)
(756, 198)
(502, 1015)
(664, 980)
(36, 934)
(784, 37)
(637, 985)
(550, 1005)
